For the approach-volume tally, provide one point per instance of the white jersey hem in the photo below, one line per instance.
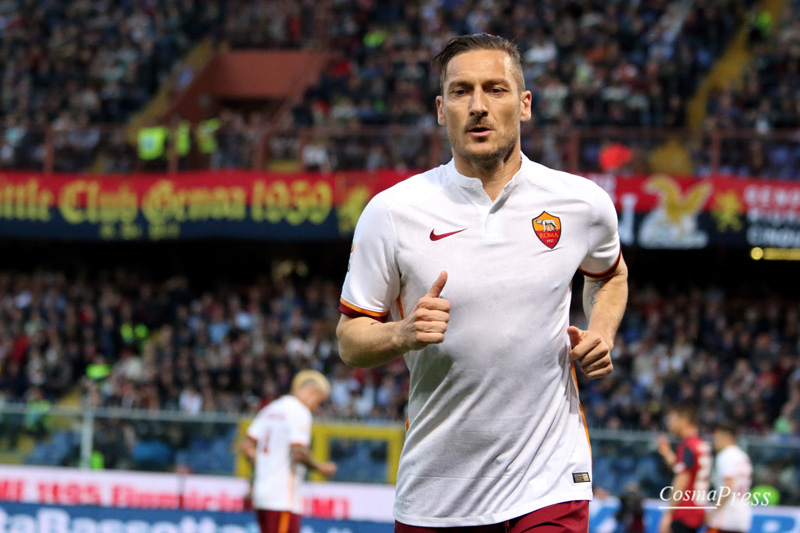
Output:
(493, 518)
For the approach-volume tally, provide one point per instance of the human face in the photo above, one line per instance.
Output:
(316, 399)
(674, 423)
(312, 397)
(721, 440)
(482, 107)
(718, 440)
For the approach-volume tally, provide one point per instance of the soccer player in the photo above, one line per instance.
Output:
(277, 445)
(732, 477)
(473, 262)
(691, 464)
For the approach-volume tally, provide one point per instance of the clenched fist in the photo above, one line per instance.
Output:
(591, 352)
(427, 323)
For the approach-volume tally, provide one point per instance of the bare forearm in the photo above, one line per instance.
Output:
(365, 342)
(670, 460)
(604, 302)
(301, 454)
(248, 449)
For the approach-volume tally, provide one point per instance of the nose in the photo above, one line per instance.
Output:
(478, 104)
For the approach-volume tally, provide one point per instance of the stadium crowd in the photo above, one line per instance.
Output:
(588, 64)
(76, 66)
(765, 102)
(146, 345)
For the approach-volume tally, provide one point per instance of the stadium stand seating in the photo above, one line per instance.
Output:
(765, 101)
(75, 65)
(167, 346)
(589, 64)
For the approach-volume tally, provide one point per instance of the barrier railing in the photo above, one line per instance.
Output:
(206, 443)
(106, 149)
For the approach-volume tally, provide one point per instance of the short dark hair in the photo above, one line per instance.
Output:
(726, 426)
(687, 409)
(479, 41)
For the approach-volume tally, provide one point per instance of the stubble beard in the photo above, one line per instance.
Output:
(487, 159)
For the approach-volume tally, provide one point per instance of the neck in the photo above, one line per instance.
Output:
(303, 397)
(689, 432)
(495, 174)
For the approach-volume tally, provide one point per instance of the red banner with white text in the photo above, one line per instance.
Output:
(656, 211)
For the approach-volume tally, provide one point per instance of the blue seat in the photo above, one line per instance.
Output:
(55, 451)
(591, 154)
(151, 455)
(779, 155)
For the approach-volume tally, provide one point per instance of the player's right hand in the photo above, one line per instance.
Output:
(427, 323)
(664, 447)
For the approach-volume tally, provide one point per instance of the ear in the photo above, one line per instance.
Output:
(525, 112)
(440, 116)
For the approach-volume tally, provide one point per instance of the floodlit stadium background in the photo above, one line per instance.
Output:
(179, 182)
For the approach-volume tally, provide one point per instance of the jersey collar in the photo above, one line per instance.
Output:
(474, 183)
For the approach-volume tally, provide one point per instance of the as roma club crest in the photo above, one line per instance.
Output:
(548, 228)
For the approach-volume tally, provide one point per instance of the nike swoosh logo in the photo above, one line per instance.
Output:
(435, 237)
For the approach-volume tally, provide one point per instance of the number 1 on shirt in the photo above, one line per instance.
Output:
(265, 449)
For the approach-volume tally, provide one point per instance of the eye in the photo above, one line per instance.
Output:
(498, 90)
(459, 92)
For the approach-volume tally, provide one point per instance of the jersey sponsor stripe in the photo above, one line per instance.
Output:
(605, 272)
(580, 408)
(353, 311)
(283, 525)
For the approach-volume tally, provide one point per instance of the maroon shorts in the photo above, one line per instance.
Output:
(567, 517)
(278, 521)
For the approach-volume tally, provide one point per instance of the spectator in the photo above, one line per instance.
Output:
(166, 346)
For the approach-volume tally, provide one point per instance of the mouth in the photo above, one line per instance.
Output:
(479, 131)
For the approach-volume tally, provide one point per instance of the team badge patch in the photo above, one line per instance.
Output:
(548, 228)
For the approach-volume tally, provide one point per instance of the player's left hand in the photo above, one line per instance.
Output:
(591, 352)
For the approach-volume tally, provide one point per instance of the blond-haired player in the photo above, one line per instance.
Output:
(277, 445)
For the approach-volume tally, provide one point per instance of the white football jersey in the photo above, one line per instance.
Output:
(736, 514)
(495, 428)
(277, 426)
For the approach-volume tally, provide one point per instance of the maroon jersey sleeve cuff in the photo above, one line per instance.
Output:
(353, 311)
(605, 272)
